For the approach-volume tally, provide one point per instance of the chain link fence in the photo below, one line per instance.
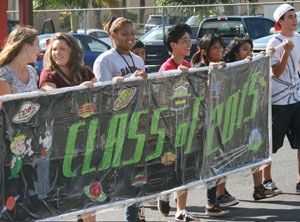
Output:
(145, 18)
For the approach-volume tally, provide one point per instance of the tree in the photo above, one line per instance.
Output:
(69, 4)
(103, 4)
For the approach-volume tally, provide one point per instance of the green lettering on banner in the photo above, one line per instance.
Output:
(112, 139)
(140, 138)
(194, 123)
(253, 92)
(216, 113)
(181, 135)
(230, 116)
(161, 133)
(242, 103)
(67, 164)
(90, 148)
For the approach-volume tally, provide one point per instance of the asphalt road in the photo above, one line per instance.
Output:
(284, 207)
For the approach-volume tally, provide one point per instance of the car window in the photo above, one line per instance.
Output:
(224, 28)
(154, 35)
(99, 34)
(95, 45)
(259, 27)
(80, 44)
(155, 20)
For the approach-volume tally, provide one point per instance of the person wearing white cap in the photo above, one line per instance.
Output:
(285, 86)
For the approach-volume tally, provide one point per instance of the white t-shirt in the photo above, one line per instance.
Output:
(110, 64)
(286, 88)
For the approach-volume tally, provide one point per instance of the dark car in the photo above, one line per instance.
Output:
(91, 47)
(156, 51)
(233, 26)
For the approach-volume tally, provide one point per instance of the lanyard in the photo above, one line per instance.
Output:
(134, 69)
(175, 63)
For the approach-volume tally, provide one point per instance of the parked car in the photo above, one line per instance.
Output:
(261, 43)
(155, 21)
(233, 26)
(97, 33)
(193, 21)
(91, 46)
(156, 51)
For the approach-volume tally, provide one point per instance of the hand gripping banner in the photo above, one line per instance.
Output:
(64, 152)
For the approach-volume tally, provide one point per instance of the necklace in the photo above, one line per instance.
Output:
(130, 68)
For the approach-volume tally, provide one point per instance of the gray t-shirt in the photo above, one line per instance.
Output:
(110, 64)
(16, 85)
(286, 88)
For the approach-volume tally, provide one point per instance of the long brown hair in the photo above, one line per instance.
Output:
(75, 63)
(17, 38)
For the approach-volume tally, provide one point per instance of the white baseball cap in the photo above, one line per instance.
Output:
(279, 12)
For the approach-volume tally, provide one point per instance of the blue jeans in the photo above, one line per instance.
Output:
(132, 212)
(211, 195)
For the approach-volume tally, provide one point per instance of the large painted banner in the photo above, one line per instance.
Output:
(74, 150)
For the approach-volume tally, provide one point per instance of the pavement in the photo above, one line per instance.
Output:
(284, 207)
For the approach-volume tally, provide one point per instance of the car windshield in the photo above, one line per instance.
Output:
(155, 20)
(153, 35)
(193, 21)
(224, 28)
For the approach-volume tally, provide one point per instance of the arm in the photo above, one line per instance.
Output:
(47, 86)
(4, 89)
(279, 67)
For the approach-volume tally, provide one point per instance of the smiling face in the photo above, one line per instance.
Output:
(61, 53)
(215, 52)
(19, 147)
(244, 51)
(124, 38)
(183, 46)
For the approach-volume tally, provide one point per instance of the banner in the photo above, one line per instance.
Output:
(74, 150)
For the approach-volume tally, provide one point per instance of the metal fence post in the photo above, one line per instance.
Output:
(248, 8)
(85, 20)
(163, 19)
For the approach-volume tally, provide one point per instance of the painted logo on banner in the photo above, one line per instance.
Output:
(86, 110)
(94, 192)
(26, 112)
(180, 98)
(138, 181)
(124, 97)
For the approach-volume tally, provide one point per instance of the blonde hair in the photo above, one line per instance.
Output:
(75, 63)
(21, 137)
(17, 38)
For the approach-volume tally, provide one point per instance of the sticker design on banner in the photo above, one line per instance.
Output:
(216, 89)
(10, 203)
(139, 181)
(94, 192)
(86, 110)
(19, 150)
(180, 98)
(168, 158)
(26, 112)
(255, 140)
(124, 97)
(262, 81)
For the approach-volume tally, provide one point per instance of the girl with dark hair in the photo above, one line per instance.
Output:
(210, 54)
(239, 49)
(119, 62)
(63, 64)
